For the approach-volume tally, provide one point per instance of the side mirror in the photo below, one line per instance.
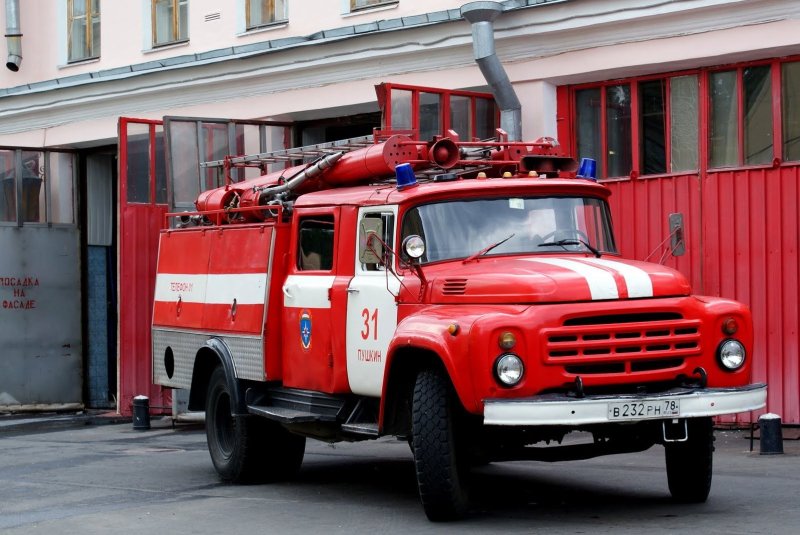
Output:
(370, 247)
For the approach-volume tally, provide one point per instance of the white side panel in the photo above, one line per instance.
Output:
(246, 288)
(190, 288)
(307, 291)
(371, 321)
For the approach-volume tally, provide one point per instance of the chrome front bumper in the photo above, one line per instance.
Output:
(557, 409)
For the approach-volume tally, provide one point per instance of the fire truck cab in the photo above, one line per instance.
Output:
(468, 300)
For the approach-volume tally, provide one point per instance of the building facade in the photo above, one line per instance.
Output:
(690, 107)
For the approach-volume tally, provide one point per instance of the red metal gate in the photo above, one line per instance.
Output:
(750, 241)
(142, 205)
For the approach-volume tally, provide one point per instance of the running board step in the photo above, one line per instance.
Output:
(289, 416)
(365, 429)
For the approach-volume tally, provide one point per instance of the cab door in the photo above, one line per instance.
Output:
(371, 306)
(308, 319)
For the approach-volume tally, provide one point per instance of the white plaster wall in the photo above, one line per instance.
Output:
(125, 37)
(571, 42)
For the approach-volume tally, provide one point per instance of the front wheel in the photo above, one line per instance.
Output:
(440, 469)
(689, 463)
(243, 448)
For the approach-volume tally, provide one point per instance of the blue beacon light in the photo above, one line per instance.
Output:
(405, 176)
(588, 169)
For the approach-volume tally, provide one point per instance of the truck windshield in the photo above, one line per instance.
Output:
(524, 225)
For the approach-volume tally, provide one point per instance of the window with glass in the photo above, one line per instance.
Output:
(748, 141)
(618, 130)
(382, 224)
(36, 186)
(650, 126)
(434, 112)
(603, 126)
(83, 29)
(790, 110)
(430, 111)
(662, 136)
(356, 5)
(262, 13)
(510, 225)
(401, 109)
(170, 21)
(486, 118)
(315, 250)
(684, 114)
(750, 116)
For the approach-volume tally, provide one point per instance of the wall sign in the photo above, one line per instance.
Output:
(18, 293)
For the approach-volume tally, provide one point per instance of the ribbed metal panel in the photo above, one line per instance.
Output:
(751, 254)
(137, 267)
(742, 243)
(247, 353)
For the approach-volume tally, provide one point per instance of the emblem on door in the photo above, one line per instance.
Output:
(305, 329)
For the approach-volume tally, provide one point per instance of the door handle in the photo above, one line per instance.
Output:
(352, 290)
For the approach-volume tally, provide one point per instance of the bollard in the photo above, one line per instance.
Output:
(771, 434)
(141, 413)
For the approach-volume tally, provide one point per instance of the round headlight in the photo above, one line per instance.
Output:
(414, 246)
(731, 354)
(509, 369)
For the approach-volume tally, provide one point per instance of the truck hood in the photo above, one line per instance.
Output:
(551, 279)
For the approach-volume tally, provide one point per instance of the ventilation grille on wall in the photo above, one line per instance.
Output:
(212, 16)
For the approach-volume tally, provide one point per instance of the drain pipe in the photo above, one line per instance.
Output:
(481, 15)
(13, 35)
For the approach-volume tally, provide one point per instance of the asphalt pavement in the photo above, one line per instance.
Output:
(69, 474)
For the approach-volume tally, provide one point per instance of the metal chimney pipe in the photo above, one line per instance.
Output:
(481, 15)
(13, 35)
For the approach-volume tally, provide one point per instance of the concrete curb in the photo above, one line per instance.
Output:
(43, 422)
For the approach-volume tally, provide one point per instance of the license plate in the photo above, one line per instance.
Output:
(638, 410)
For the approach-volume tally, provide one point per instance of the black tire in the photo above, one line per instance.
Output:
(690, 463)
(440, 470)
(247, 449)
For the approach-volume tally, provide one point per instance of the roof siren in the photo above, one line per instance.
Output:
(405, 176)
(588, 169)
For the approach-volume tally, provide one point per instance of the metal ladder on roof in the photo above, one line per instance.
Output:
(289, 155)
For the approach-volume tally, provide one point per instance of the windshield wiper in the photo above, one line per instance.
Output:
(487, 249)
(571, 241)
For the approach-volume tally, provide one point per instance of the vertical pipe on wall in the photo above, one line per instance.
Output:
(13, 35)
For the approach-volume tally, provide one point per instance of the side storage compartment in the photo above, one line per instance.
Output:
(211, 282)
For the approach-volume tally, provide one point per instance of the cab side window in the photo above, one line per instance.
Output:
(387, 237)
(315, 250)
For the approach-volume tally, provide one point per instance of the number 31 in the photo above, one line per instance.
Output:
(367, 317)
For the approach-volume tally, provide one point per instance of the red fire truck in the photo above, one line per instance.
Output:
(465, 296)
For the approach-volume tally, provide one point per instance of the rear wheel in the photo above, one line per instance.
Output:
(440, 470)
(689, 463)
(245, 448)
